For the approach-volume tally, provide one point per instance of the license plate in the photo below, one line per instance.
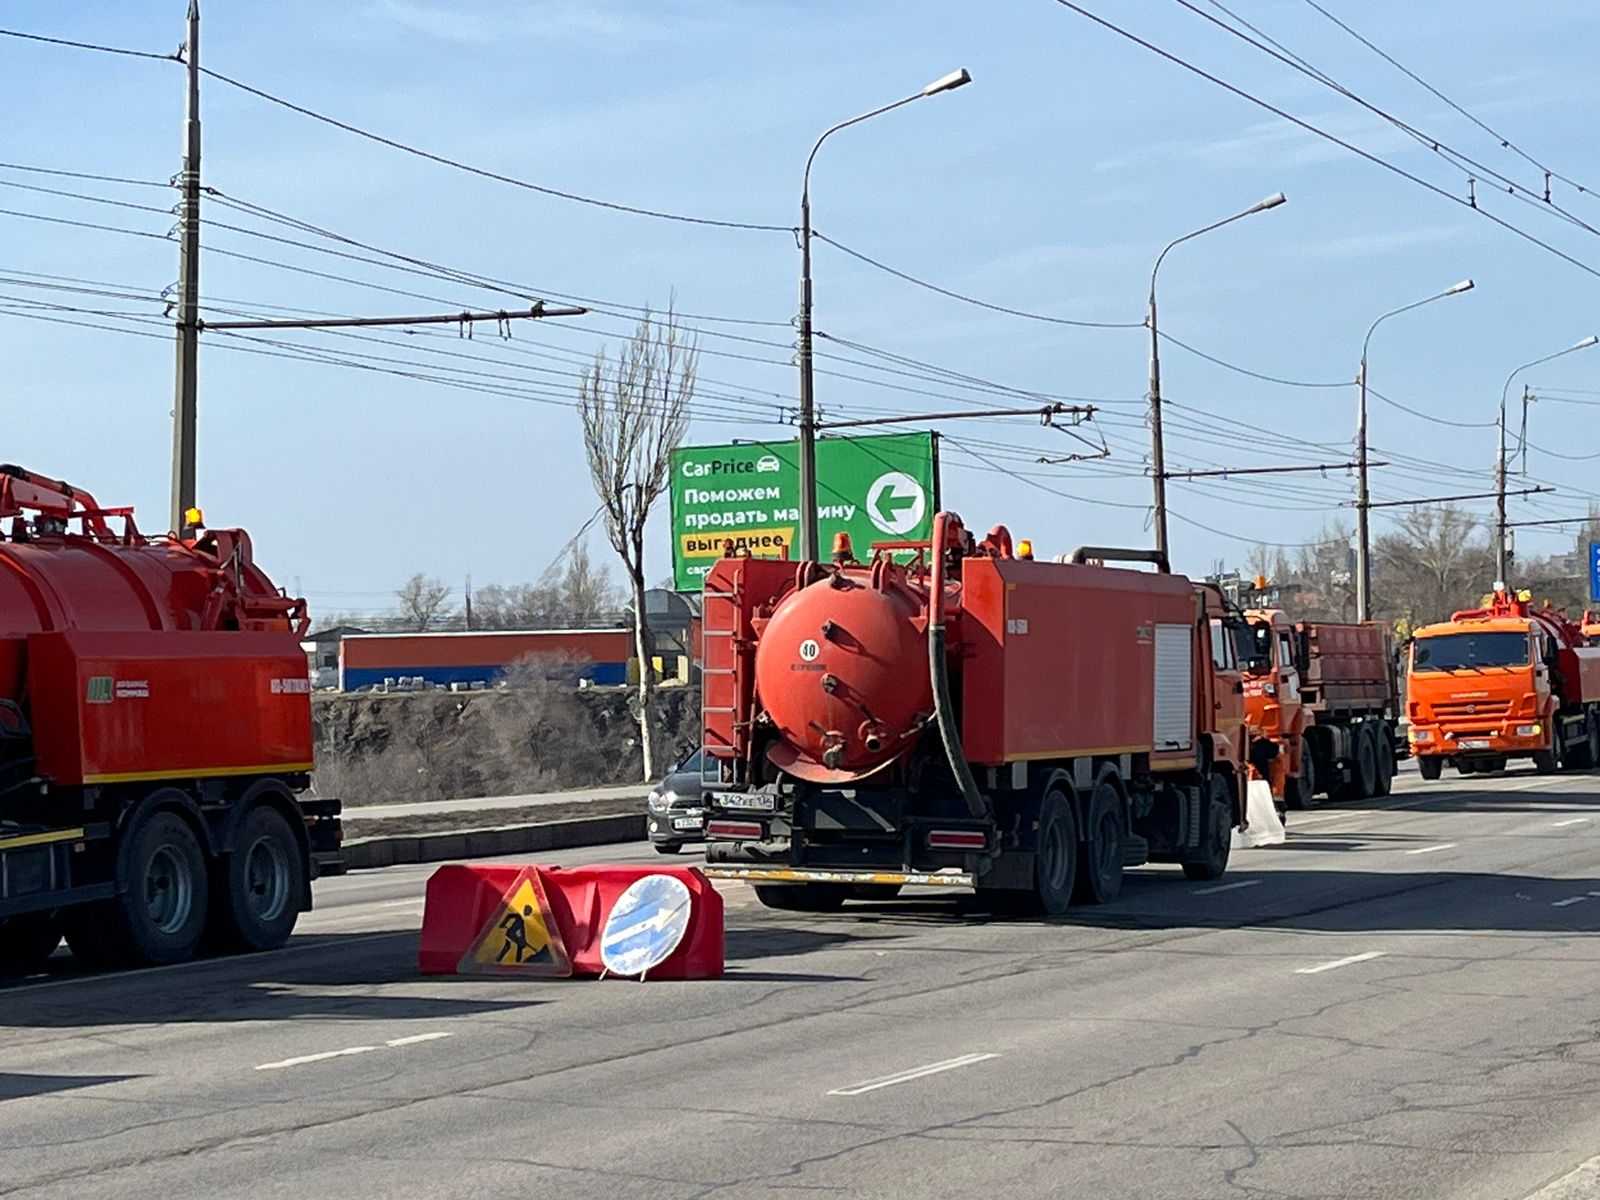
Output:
(1474, 743)
(749, 801)
(686, 822)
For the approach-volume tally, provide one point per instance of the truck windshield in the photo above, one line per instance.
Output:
(1257, 649)
(1458, 651)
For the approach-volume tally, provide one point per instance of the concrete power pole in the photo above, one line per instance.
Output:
(188, 343)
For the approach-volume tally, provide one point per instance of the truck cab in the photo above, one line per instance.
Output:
(1501, 682)
(1277, 718)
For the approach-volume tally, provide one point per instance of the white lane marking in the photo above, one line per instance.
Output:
(1341, 962)
(393, 1043)
(417, 1037)
(1570, 900)
(311, 1058)
(949, 1064)
(1581, 1184)
(1574, 821)
(1431, 849)
(1227, 887)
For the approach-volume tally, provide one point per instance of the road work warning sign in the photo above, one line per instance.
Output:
(520, 937)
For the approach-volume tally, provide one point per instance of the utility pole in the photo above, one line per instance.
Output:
(1363, 501)
(1500, 557)
(1502, 561)
(807, 457)
(1158, 450)
(1363, 498)
(188, 344)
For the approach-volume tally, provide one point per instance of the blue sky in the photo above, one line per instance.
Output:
(1048, 185)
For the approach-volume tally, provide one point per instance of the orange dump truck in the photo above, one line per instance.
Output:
(1501, 682)
(1321, 704)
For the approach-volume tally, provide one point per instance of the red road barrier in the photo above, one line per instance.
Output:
(546, 921)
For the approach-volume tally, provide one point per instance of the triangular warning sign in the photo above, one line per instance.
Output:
(520, 937)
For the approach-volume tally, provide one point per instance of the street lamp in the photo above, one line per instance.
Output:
(1501, 565)
(1158, 454)
(808, 550)
(1363, 500)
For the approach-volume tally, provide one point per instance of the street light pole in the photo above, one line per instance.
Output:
(1502, 563)
(808, 548)
(1158, 452)
(1363, 497)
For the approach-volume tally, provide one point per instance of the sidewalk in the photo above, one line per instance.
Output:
(377, 812)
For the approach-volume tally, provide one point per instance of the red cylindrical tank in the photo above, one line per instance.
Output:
(842, 671)
(71, 582)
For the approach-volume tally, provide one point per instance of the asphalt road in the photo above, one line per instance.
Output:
(1403, 1001)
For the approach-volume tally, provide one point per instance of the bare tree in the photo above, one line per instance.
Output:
(1436, 560)
(635, 412)
(585, 593)
(424, 603)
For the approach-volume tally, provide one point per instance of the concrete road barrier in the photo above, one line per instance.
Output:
(366, 853)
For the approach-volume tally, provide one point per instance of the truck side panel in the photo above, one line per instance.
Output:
(124, 707)
(1023, 620)
(1349, 668)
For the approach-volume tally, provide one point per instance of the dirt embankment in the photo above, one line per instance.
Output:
(374, 749)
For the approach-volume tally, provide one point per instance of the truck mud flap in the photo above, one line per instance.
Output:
(809, 875)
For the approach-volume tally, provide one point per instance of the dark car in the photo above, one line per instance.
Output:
(677, 813)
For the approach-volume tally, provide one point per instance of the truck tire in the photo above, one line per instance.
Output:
(26, 942)
(1544, 762)
(1211, 860)
(1102, 851)
(801, 897)
(1363, 781)
(256, 890)
(1301, 790)
(1055, 866)
(1584, 755)
(160, 914)
(1383, 756)
(1430, 767)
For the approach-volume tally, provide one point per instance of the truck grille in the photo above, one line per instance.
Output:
(1471, 710)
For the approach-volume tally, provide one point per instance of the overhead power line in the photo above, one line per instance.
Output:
(55, 41)
(965, 299)
(1249, 97)
(1504, 141)
(484, 173)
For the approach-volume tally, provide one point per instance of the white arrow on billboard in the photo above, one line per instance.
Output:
(896, 503)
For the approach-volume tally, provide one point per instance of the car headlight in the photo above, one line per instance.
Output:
(1529, 730)
(1422, 735)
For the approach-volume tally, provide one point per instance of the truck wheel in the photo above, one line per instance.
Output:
(1055, 866)
(256, 890)
(1431, 768)
(1100, 854)
(1363, 780)
(1383, 757)
(801, 897)
(1544, 762)
(26, 942)
(1211, 860)
(1301, 790)
(161, 913)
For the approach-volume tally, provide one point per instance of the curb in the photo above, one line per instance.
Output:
(367, 853)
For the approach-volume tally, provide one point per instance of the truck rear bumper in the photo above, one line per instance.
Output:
(943, 878)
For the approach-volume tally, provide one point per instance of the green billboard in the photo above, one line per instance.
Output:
(876, 489)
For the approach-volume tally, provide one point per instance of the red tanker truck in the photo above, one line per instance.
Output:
(973, 718)
(155, 734)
